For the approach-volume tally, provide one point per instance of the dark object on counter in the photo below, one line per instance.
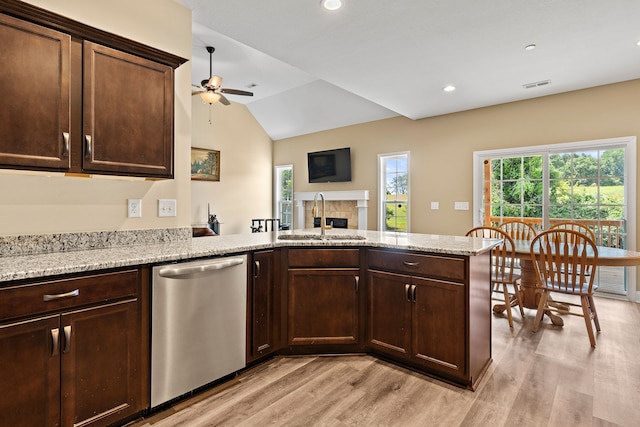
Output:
(214, 224)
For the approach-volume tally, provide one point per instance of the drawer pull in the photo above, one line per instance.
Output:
(55, 297)
(55, 340)
(88, 146)
(67, 339)
(256, 269)
(410, 264)
(65, 147)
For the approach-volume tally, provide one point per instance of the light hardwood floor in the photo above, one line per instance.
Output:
(551, 378)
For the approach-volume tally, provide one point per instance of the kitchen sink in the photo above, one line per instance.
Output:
(319, 237)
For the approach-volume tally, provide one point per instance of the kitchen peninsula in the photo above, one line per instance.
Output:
(422, 301)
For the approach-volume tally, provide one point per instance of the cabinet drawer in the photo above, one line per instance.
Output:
(41, 297)
(324, 257)
(445, 267)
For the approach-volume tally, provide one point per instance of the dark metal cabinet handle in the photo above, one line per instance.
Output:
(54, 297)
(407, 292)
(413, 293)
(256, 269)
(55, 340)
(67, 339)
(65, 147)
(410, 264)
(88, 146)
(357, 283)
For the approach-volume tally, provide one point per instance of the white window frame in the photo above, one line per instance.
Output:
(277, 194)
(382, 189)
(629, 143)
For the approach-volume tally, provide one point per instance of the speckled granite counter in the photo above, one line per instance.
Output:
(35, 265)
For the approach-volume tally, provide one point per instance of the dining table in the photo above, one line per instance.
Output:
(610, 257)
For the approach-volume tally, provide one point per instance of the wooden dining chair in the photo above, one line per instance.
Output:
(575, 226)
(518, 230)
(502, 271)
(565, 262)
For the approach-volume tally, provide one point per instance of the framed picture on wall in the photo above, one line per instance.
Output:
(205, 164)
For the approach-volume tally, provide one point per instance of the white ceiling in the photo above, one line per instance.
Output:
(316, 70)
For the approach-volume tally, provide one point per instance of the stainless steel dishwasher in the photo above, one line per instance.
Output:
(198, 324)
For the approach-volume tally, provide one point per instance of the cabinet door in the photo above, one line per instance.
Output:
(438, 325)
(101, 376)
(35, 101)
(390, 313)
(128, 114)
(323, 306)
(262, 300)
(30, 361)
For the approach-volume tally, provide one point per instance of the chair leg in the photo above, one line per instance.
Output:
(595, 313)
(507, 301)
(587, 319)
(516, 289)
(541, 306)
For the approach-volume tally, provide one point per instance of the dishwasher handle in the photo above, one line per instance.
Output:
(213, 266)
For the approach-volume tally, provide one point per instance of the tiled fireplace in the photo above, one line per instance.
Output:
(340, 204)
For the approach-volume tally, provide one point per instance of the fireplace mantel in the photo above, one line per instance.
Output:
(361, 197)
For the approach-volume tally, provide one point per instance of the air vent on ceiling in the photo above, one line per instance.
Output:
(537, 84)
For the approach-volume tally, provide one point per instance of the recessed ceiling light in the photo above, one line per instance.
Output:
(638, 43)
(449, 88)
(530, 47)
(331, 4)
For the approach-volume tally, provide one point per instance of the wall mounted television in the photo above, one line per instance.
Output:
(330, 165)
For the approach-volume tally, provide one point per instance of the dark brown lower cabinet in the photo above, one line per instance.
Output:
(78, 366)
(438, 324)
(262, 306)
(418, 319)
(324, 306)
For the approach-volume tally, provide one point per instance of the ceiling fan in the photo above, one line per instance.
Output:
(210, 90)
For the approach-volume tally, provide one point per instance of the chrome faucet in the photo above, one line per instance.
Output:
(315, 212)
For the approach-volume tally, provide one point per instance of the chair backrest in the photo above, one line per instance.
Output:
(575, 226)
(564, 261)
(518, 230)
(501, 256)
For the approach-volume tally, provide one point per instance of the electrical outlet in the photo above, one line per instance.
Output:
(166, 207)
(134, 208)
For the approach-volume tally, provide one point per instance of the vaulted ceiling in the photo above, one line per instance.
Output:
(311, 69)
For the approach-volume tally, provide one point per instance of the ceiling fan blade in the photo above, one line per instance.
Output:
(236, 92)
(195, 89)
(223, 100)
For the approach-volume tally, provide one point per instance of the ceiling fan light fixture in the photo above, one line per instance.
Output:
(214, 82)
(210, 97)
(331, 4)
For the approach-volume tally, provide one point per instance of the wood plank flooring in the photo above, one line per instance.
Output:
(551, 378)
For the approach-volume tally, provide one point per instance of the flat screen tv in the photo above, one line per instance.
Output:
(330, 165)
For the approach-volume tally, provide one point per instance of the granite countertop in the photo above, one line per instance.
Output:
(70, 261)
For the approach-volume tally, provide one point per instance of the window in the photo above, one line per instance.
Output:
(283, 194)
(393, 192)
(591, 182)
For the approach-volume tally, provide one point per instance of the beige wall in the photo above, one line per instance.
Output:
(442, 147)
(36, 203)
(245, 190)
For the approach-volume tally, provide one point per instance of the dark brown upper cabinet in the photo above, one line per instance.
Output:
(77, 99)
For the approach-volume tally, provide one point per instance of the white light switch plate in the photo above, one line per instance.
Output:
(166, 207)
(461, 206)
(134, 208)
(435, 206)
